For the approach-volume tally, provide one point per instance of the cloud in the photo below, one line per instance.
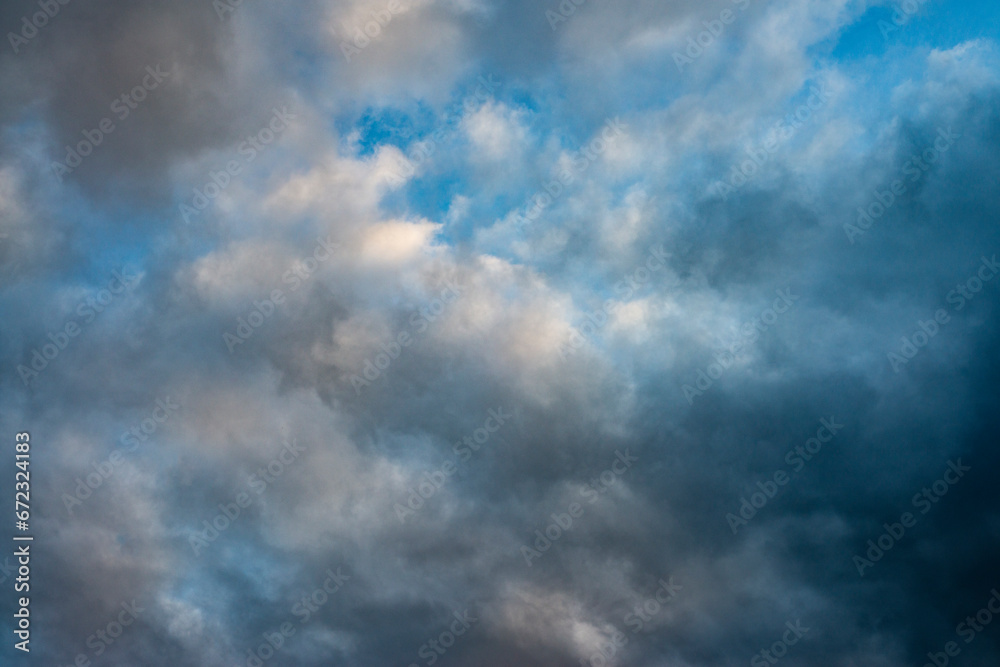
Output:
(329, 299)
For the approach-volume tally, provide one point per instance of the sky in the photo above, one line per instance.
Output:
(491, 333)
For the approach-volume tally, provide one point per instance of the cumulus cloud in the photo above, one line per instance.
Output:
(511, 341)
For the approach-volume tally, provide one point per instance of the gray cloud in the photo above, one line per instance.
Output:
(249, 265)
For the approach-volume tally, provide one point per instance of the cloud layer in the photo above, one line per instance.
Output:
(503, 333)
